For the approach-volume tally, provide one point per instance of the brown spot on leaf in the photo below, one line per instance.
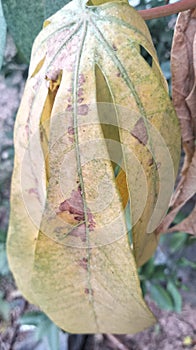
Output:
(150, 162)
(89, 291)
(139, 132)
(158, 165)
(114, 47)
(71, 133)
(70, 130)
(74, 205)
(80, 92)
(71, 139)
(83, 263)
(83, 109)
(69, 108)
(80, 232)
(80, 100)
(33, 190)
(81, 79)
(54, 78)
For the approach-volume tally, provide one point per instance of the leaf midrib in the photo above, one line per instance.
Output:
(79, 165)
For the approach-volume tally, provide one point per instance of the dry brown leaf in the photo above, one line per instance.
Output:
(185, 192)
(188, 225)
(183, 64)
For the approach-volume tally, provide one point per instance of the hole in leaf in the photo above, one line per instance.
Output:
(46, 23)
(89, 3)
(39, 66)
(94, 3)
(45, 119)
(106, 106)
(145, 54)
(184, 212)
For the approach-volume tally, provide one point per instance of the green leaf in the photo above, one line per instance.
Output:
(53, 337)
(177, 241)
(33, 318)
(45, 327)
(48, 329)
(143, 287)
(52, 6)
(4, 269)
(159, 272)
(148, 269)
(25, 19)
(165, 66)
(4, 308)
(2, 34)
(161, 297)
(179, 217)
(3, 236)
(185, 262)
(176, 296)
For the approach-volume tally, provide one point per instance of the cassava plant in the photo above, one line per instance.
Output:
(97, 147)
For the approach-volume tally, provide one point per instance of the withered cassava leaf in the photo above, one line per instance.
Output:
(183, 64)
(92, 104)
(188, 225)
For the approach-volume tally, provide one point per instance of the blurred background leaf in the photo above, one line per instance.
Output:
(4, 308)
(165, 275)
(44, 328)
(2, 34)
(175, 295)
(25, 19)
(4, 270)
(161, 297)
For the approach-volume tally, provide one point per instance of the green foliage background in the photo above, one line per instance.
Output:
(25, 19)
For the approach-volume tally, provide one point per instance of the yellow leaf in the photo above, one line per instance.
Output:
(92, 105)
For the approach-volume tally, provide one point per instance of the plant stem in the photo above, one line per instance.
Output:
(115, 342)
(167, 10)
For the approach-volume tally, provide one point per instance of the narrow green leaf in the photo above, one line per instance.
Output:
(161, 297)
(48, 329)
(4, 269)
(177, 241)
(43, 327)
(179, 217)
(177, 299)
(53, 337)
(33, 318)
(165, 66)
(2, 34)
(3, 236)
(159, 272)
(25, 18)
(4, 309)
(148, 268)
(143, 287)
(185, 262)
